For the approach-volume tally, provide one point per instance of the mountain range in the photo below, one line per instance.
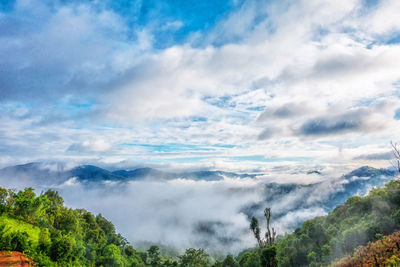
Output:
(326, 194)
(291, 203)
(89, 173)
(323, 196)
(57, 173)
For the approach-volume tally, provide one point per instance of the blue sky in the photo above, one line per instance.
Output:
(232, 85)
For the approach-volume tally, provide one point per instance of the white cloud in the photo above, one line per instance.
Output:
(97, 145)
(384, 19)
(308, 59)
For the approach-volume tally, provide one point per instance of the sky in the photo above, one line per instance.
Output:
(245, 86)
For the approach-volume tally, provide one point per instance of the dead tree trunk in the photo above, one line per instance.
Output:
(269, 235)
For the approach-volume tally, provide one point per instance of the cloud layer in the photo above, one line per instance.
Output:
(104, 82)
(183, 213)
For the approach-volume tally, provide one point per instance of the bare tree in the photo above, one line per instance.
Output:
(270, 233)
(267, 249)
(269, 236)
(396, 155)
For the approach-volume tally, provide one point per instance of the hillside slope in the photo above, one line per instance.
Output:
(54, 235)
(15, 225)
(355, 223)
(384, 252)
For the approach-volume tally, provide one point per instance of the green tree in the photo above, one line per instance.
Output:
(312, 258)
(267, 249)
(229, 261)
(44, 240)
(154, 257)
(268, 256)
(10, 201)
(19, 241)
(24, 203)
(170, 263)
(194, 258)
(255, 228)
(55, 199)
(66, 220)
(133, 257)
(3, 198)
(67, 237)
(64, 248)
(250, 259)
(109, 230)
(112, 256)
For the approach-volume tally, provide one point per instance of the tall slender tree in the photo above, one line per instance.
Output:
(266, 245)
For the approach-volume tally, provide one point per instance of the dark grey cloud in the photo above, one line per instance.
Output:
(327, 126)
(375, 156)
(288, 110)
(267, 133)
(333, 121)
(357, 120)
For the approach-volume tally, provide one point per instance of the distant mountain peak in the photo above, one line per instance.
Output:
(91, 173)
(367, 171)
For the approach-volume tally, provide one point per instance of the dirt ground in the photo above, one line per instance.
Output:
(14, 258)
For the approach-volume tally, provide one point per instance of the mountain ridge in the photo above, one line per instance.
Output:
(92, 173)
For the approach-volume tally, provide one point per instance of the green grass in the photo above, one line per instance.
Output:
(18, 225)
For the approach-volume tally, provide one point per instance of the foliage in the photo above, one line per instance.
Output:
(249, 259)
(268, 256)
(112, 256)
(153, 254)
(15, 225)
(355, 223)
(54, 235)
(269, 239)
(384, 252)
(15, 241)
(229, 261)
(194, 258)
(267, 249)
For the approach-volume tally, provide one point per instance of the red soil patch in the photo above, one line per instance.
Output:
(14, 258)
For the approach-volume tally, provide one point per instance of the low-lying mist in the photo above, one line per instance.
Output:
(214, 215)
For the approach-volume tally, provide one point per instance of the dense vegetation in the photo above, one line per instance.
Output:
(384, 252)
(355, 223)
(54, 235)
(321, 241)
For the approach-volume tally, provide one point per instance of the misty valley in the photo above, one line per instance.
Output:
(153, 215)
